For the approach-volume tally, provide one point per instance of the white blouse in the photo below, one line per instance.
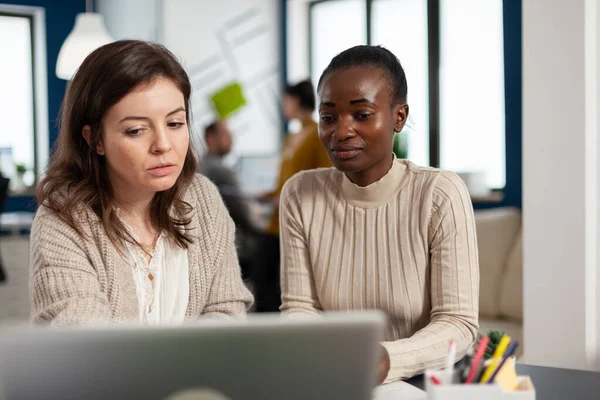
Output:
(162, 285)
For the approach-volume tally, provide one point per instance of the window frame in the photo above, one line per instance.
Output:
(37, 18)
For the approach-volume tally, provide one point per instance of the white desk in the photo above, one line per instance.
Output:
(399, 390)
(15, 222)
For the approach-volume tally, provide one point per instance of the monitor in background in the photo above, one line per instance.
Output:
(257, 173)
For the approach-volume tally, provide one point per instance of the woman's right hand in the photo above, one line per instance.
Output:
(384, 366)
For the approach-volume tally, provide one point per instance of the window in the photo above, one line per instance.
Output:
(335, 25)
(409, 17)
(23, 93)
(452, 53)
(16, 100)
(472, 88)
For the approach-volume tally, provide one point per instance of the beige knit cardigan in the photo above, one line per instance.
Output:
(84, 279)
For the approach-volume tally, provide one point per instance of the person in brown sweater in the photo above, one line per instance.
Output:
(125, 229)
(301, 151)
(377, 232)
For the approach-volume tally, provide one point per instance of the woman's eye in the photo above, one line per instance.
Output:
(363, 116)
(175, 125)
(135, 132)
(326, 118)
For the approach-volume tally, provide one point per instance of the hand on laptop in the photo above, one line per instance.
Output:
(384, 366)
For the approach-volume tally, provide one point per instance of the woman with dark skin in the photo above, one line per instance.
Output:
(377, 232)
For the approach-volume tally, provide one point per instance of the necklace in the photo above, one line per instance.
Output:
(142, 258)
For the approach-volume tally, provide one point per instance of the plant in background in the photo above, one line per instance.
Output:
(400, 144)
(21, 169)
(495, 337)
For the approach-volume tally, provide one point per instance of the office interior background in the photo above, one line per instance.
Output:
(503, 92)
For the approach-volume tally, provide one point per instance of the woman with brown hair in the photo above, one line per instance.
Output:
(125, 229)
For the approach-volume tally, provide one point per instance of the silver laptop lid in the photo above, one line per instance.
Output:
(263, 357)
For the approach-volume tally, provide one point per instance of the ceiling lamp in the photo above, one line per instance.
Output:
(87, 35)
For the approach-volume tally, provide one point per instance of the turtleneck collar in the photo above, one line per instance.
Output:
(379, 192)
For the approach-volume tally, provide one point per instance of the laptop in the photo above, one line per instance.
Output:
(263, 357)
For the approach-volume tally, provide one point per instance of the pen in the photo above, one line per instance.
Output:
(465, 364)
(450, 362)
(509, 353)
(483, 342)
(497, 358)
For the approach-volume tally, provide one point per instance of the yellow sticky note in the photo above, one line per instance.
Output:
(507, 376)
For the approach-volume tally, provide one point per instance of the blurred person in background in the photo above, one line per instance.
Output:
(301, 151)
(218, 139)
(126, 230)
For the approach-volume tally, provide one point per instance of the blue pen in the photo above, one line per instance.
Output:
(512, 348)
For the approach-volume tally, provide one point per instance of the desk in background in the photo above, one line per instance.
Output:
(16, 222)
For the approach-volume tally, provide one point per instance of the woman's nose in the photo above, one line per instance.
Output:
(344, 129)
(162, 142)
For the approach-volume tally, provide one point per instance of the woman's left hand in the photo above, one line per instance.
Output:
(384, 366)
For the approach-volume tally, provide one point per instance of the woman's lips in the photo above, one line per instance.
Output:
(163, 170)
(346, 154)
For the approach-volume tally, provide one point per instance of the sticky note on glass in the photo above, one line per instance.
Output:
(228, 99)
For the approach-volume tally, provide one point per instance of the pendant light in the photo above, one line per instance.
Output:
(87, 35)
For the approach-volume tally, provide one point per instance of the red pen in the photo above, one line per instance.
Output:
(478, 359)
(435, 380)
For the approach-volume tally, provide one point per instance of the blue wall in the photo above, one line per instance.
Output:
(60, 18)
(513, 101)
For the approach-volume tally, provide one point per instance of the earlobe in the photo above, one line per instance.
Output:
(86, 132)
(401, 117)
(100, 148)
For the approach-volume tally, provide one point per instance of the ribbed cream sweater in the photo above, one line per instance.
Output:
(405, 245)
(84, 280)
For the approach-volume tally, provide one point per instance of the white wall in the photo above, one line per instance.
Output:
(131, 19)
(560, 184)
(593, 88)
(218, 42)
(231, 40)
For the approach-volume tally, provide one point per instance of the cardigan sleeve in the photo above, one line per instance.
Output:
(64, 286)
(228, 296)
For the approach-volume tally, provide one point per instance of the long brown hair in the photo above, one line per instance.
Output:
(77, 175)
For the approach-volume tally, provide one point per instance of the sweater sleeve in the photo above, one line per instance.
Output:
(64, 286)
(454, 285)
(228, 295)
(298, 292)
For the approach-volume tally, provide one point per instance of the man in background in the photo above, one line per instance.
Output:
(218, 144)
(301, 151)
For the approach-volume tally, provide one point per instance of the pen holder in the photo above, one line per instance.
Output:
(456, 391)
